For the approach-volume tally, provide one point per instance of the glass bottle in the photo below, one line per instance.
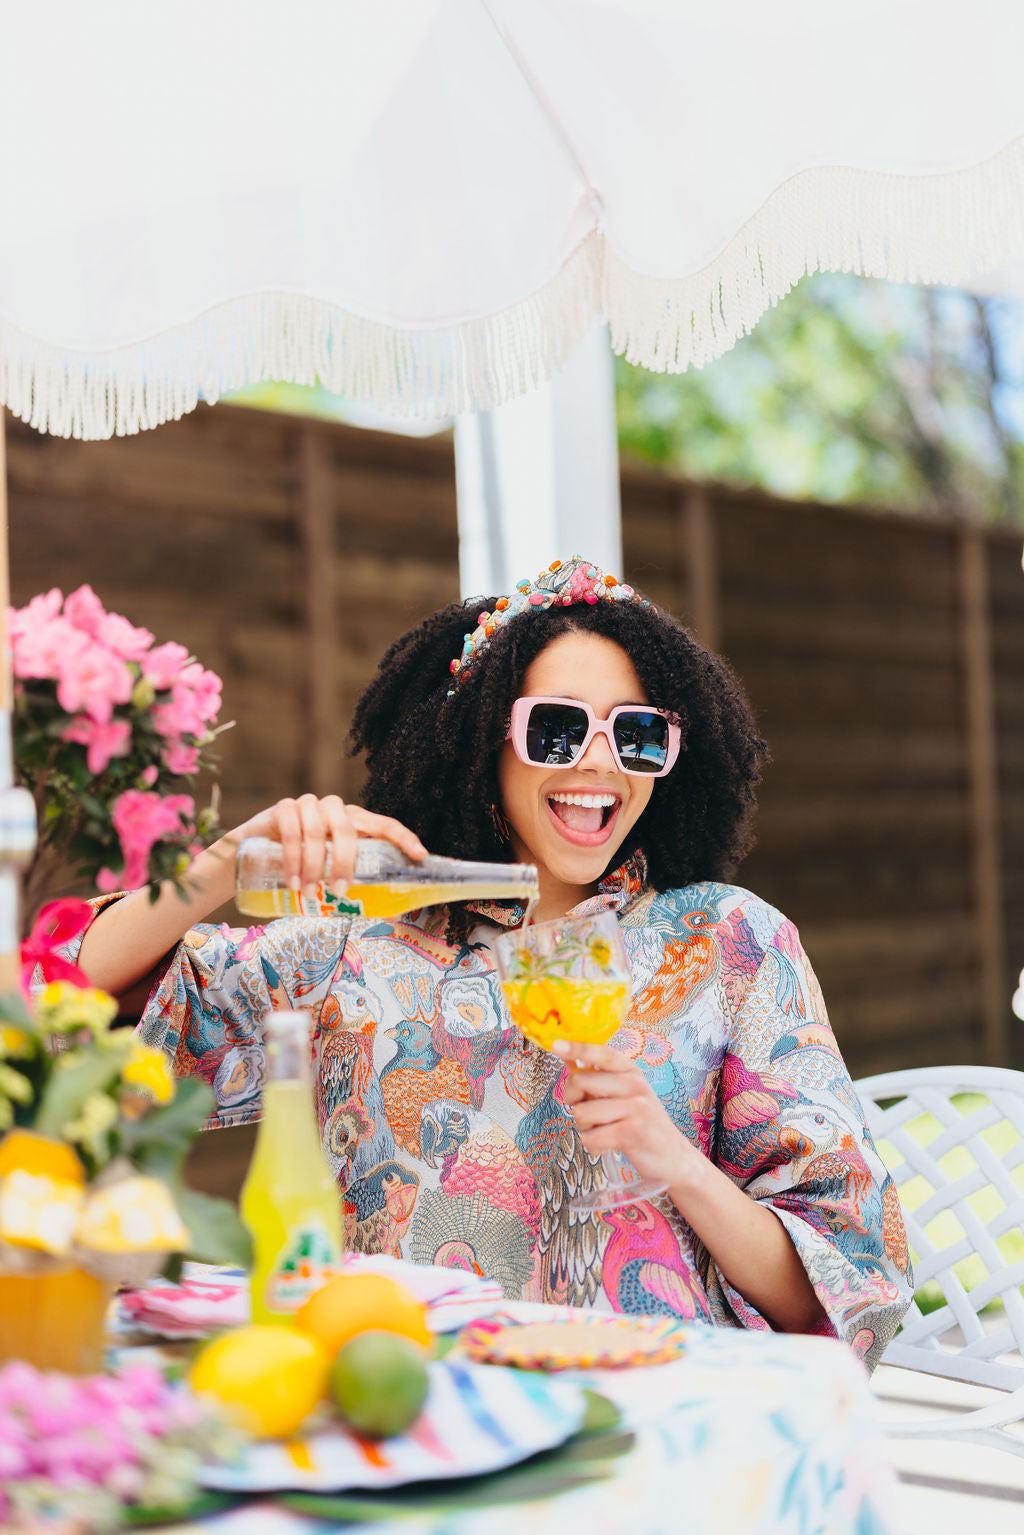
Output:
(290, 1200)
(385, 883)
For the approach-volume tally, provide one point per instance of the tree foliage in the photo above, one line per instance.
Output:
(851, 390)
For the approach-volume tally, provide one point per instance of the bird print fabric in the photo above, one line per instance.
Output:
(449, 1137)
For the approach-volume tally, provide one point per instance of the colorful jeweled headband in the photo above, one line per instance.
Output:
(561, 585)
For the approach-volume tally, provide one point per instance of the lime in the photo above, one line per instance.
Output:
(379, 1381)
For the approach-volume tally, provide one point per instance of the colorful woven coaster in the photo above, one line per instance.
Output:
(576, 1342)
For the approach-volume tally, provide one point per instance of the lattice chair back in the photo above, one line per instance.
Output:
(953, 1140)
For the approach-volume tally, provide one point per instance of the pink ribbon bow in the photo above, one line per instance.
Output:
(56, 924)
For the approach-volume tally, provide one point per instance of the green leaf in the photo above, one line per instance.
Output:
(174, 1125)
(193, 1508)
(71, 1084)
(13, 1009)
(218, 1235)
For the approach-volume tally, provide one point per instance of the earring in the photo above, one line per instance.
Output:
(502, 825)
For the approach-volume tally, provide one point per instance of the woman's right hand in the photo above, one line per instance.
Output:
(305, 826)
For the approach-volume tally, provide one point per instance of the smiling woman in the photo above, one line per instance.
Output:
(575, 726)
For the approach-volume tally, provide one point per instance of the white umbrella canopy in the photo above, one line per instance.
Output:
(425, 204)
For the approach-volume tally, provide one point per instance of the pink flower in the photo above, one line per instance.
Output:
(162, 666)
(103, 741)
(85, 610)
(206, 686)
(93, 680)
(41, 610)
(180, 717)
(41, 645)
(149, 776)
(179, 758)
(123, 638)
(141, 818)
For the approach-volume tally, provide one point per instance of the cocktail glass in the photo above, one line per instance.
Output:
(570, 980)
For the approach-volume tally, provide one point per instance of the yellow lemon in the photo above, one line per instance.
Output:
(352, 1303)
(268, 1378)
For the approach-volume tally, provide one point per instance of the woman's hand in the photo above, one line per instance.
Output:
(617, 1109)
(304, 827)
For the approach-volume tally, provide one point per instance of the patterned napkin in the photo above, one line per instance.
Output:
(210, 1297)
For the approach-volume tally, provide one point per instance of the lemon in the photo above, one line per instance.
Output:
(269, 1378)
(379, 1382)
(350, 1303)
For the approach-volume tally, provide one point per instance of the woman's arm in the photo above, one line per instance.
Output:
(129, 938)
(616, 1109)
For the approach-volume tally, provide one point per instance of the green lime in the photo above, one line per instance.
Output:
(379, 1381)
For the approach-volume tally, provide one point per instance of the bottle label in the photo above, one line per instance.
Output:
(303, 1265)
(326, 904)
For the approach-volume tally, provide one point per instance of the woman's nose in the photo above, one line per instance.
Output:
(599, 756)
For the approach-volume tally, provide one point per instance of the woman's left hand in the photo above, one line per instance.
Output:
(617, 1109)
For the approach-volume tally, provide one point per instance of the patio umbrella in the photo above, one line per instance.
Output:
(426, 203)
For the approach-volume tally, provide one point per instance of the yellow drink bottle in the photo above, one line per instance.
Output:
(290, 1201)
(385, 884)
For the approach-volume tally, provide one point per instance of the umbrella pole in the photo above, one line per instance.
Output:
(17, 810)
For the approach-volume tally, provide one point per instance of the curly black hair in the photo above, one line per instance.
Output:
(432, 747)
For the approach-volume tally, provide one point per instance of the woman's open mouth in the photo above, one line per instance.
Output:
(585, 818)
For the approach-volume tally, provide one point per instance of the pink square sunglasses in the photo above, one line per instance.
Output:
(555, 733)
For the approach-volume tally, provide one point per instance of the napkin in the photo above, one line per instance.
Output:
(210, 1296)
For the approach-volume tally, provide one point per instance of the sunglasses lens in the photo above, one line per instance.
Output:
(641, 740)
(555, 733)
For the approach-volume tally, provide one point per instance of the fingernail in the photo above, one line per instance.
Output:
(295, 883)
(309, 892)
(560, 1047)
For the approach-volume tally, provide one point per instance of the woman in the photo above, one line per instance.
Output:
(454, 1140)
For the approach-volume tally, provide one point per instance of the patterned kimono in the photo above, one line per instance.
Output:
(447, 1131)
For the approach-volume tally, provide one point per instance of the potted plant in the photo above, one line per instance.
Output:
(109, 728)
(95, 1130)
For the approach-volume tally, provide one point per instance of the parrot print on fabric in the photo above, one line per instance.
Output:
(451, 1143)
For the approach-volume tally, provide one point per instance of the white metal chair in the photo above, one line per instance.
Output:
(952, 1341)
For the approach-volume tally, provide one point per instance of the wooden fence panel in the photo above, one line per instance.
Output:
(882, 654)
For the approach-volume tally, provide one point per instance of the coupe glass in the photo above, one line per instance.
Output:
(570, 980)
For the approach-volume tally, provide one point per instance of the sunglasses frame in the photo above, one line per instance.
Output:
(520, 720)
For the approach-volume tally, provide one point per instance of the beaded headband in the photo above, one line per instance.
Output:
(563, 584)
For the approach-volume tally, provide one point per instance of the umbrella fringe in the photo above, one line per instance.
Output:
(942, 228)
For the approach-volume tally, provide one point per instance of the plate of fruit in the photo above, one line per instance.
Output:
(348, 1396)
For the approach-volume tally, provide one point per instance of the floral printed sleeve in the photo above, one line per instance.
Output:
(790, 1130)
(206, 1008)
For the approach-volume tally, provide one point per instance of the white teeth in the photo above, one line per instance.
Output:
(587, 801)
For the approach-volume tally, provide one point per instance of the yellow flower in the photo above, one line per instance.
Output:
(600, 952)
(147, 1068)
(97, 1114)
(12, 1041)
(61, 1007)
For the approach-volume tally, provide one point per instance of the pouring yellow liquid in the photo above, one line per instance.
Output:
(386, 884)
(376, 900)
(567, 1007)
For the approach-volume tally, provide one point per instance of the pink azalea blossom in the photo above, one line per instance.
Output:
(163, 664)
(42, 645)
(206, 686)
(149, 776)
(141, 818)
(179, 758)
(41, 609)
(103, 741)
(180, 717)
(92, 680)
(85, 610)
(123, 638)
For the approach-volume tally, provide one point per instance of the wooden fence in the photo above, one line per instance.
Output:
(880, 652)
